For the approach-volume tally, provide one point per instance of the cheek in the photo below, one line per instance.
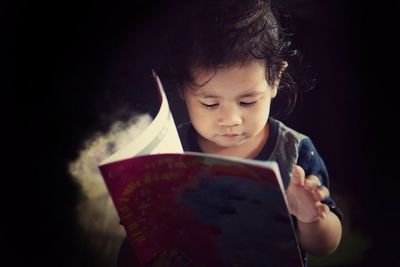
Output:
(257, 119)
(196, 113)
(190, 107)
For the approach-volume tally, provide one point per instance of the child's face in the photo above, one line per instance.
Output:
(233, 107)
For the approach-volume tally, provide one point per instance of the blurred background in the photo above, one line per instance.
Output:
(74, 68)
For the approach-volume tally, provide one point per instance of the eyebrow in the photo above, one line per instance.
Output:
(248, 94)
(251, 94)
(203, 95)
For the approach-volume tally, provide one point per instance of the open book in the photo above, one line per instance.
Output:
(216, 211)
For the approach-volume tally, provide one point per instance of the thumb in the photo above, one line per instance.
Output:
(298, 175)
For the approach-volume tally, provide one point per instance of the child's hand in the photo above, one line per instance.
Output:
(304, 195)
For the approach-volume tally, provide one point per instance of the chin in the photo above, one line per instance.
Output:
(230, 144)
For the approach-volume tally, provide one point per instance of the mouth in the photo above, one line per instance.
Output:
(230, 135)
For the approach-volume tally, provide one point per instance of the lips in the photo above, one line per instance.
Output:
(230, 135)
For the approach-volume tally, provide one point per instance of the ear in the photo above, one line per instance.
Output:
(274, 91)
(276, 85)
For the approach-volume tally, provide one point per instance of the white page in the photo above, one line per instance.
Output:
(160, 136)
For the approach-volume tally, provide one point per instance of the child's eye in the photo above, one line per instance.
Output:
(248, 104)
(209, 106)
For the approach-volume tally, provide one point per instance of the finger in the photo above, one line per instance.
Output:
(320, 193)
(323, 210)
(312, 182)
(298, 175)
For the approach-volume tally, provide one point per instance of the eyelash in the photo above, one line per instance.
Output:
(209, 106)
(243, 104)
(248, 104)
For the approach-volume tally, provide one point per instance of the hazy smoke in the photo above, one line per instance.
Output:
(96, 212)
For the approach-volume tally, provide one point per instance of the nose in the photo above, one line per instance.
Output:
(229, 116)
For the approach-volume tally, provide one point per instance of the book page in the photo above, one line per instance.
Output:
(160, 137)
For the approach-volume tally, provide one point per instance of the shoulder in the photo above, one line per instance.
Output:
(292, 147)
(183, 132)
(188, 136)
(183, 128)
(286, 140)
(287, 133)
(306, 154)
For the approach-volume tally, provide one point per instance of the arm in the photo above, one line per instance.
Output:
(322, 237)
(319, 230)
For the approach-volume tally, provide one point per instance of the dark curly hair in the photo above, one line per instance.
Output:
(213, 34)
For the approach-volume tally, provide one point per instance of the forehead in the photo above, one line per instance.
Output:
(244, 77)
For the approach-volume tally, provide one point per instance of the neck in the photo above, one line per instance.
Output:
(249, 149)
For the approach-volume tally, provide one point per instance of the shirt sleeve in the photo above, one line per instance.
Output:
(312, 163)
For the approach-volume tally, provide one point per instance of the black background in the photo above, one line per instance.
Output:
(72, 66)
